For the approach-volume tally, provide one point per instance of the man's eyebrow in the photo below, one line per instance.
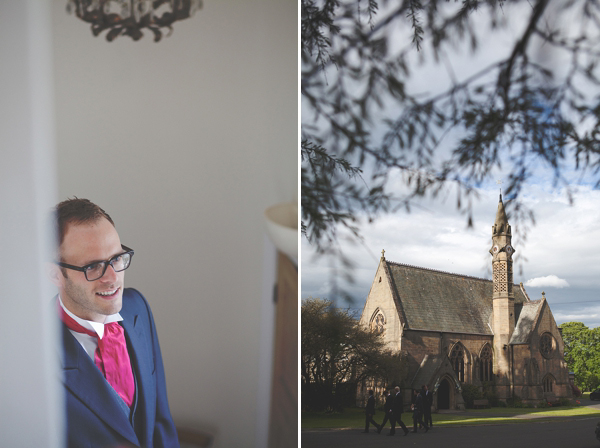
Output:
(121, 252)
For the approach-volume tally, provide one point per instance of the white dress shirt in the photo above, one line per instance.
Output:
(89, 343)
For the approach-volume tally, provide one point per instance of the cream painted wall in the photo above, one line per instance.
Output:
(185, 142)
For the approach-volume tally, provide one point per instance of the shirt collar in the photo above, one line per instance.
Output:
(96, 327)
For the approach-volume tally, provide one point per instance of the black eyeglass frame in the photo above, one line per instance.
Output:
(106, 263)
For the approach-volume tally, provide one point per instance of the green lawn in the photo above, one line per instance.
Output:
(355, 417)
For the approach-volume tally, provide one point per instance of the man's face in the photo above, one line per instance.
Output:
(84, 244)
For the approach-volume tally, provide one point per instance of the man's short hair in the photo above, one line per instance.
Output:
(76, 211)
(397, 388)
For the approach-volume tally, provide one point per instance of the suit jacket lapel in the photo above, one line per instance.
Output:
(141, 358)
(87, 383)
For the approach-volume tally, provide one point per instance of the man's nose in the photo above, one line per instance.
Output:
(110, 275)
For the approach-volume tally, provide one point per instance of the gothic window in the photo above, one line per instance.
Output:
(547, 345)
(548, 383)
(486, 363)
(457, 359)
(378, 322)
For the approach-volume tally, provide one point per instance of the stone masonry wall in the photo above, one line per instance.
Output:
(380, 301)
(417, 344)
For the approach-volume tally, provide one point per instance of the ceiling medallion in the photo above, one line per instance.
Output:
(130, 17)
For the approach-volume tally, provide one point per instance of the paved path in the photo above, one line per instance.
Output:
(572, 433)
(578, 433)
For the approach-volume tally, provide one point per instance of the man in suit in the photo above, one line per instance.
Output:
(370, 412)
(387, 408)
(418, 407)
(113, 371)
(397, 410)
(427, 403)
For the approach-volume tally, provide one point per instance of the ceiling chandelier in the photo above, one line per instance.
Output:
(130, 17)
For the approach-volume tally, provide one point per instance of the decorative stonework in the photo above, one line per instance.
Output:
(547, 345)
(500, 276)
(378, 322)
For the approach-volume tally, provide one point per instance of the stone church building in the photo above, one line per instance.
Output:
(456, 330)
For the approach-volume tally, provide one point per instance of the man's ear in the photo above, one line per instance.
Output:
(54, 274)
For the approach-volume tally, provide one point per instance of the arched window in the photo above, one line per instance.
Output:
(486, 363)
(457, 359)
(378, 322)
(548, 383)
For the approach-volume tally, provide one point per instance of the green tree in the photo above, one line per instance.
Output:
(535, 105)
(582, 354)
(337, 353)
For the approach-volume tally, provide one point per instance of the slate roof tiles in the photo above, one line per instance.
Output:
(440, 301)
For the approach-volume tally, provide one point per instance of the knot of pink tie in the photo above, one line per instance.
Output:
(111, 356)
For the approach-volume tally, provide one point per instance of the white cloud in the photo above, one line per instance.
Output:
(549, 281)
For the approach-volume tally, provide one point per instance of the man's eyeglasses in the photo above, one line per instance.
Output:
(94, 271)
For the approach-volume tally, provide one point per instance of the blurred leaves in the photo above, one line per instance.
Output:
(362, 127)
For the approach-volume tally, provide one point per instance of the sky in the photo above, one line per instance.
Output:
(560, 256)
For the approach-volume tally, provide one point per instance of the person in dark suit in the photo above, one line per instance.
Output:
(427, 403)
(115, 391)
(413, 407)
(397, 409)
(387, 409)
(418, 411)
(370, 412)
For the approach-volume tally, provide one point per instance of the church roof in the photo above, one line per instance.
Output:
(439, 301)
(526, 318)
(430, 369)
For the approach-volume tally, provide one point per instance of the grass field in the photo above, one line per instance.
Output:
(355, 417)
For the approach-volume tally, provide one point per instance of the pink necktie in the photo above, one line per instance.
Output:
(111, 356)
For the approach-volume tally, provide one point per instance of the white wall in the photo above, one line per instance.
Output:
(30, 391)
(184, 143)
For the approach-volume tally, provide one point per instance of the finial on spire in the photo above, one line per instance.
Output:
(383, 254)
(499, 182)
(543, 295)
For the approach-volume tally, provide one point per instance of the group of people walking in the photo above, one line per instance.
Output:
(394, 407)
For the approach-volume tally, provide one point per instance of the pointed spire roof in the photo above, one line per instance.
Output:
(501, 219)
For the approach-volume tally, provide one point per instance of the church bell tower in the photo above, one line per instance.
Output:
(503, 323)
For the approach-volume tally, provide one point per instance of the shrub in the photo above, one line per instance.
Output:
(514, 402)
(564, 402)
(471, 392)
(489, 392)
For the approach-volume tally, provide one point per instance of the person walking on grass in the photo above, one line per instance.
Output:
(418, 408)
(387, 409)
(370, 412)
(427, 403)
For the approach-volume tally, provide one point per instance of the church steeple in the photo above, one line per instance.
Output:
(502, 252)
(503, 323)
(501, 224)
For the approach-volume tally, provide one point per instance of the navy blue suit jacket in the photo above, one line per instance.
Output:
(95, 417)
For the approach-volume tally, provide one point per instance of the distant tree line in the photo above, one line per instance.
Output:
(582, 354)
(337, 354)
